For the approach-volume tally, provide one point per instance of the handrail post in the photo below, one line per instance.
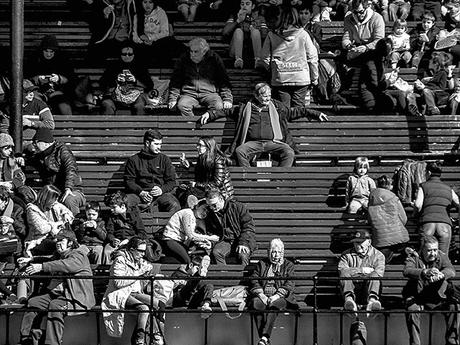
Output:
(152, 318)
(385, 329)
(315, 311)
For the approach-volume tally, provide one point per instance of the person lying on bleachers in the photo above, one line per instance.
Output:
(262, 126)
(231, 221)
(56, 165)
(180, 234)
(272, 294)
(150, 177)
(125, 83)
(199, 78)
(61, 293)
(46, 218)
(52, 72)
(428, 288)
(362, 260)
(90, 230)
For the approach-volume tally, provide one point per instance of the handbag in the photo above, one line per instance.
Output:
(126, 94)
(232, 296)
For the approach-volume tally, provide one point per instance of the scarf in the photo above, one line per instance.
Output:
(274, 120)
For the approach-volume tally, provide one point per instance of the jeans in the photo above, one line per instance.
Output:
(401, 7)
(442, 231)
(186, 103)
(193, 294)
(141, 302)
(244, 153)
(265, 322)
(291, 96)
(222, 249)
(362, 289)
(109, 106)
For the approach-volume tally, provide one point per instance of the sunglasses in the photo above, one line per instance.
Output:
(359, 11)
(127, 54)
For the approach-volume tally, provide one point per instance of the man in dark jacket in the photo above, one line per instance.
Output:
(199, 78)
(57, 166)
(428, 273)
(61, 293)
(150, 176)
(232, 222)
(262, 126)
(12, 222)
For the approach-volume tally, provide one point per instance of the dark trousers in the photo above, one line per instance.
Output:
(166, 202)
(266, 321)
(245, 152)
(223, 249)
(193, 294)
(291, 96)
(176, 250)
(360, 289)
(55, 319)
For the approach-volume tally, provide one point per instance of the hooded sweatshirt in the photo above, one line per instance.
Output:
(387, 218)
(368, 32)
(292, 57)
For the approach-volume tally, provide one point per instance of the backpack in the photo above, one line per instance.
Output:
(232, 296)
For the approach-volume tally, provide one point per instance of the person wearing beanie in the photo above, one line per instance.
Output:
(35, 112)
(56, 165)
(11, 174)
(69, 259)
(53, 73)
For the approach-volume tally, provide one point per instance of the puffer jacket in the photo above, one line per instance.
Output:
(219, 177)
(387, 218)
(292, 58)
(57, 166)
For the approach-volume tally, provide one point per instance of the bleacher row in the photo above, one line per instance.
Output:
(302, 205)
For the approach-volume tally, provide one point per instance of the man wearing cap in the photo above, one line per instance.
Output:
(11, 177)
(61, 293)
(428, 287)
(361, 261)
(57, 166)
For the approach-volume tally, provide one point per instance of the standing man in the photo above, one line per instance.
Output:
(150, 177)
(232, 222)
(428, 272)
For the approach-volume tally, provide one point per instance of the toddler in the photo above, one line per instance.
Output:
(400, 41)
(246, 25)
(359, 186)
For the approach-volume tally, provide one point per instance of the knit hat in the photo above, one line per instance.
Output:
(6, 140)
(43, 134)
(64, 233)
(49, 42)
(28, 86)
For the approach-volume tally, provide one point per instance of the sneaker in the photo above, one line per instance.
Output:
(206, 311)
(157, 339)
(258, 64)
(350, 305)
(434, 111)
(204, 265)
(263, 341)
(373, 305)
(238, 63)
(138, 337)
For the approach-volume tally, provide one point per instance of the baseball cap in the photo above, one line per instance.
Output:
(360, 236)
(28, 86)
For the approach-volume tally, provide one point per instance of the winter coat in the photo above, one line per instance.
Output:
(219, 177)
(209, 76)
(416, 44)
(351, 263)
(237, 225)
(284, 288)
(125, 226)
(44, 223)
(292, 58)
(368, 32)
(285, 114)
(387, 218)
(407, 179)
(79, 292)
(89, 236)
(57, 166)
(119, 290)
(358, 187)
(145, 170)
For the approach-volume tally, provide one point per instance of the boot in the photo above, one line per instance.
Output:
(138, 337)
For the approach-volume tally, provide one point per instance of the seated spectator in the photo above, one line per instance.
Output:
(431, 92)
(12, 222)
(454, 99)
(90, 231)
(199, 78)
(56, 165)
(233, 224)
(246, 26)
(262, 126)
(359, 185)
(428, 288)
(111, 24)
(129, 294)
(363, 260)
(419, 7)
(210, 170)
(272, 295)
(433, 202)
(423, 38)
(324, 14)
(53, 74)
(122, 224)
(181, 233)
(69, 259)
(394, 91)
(400, 42)
(193, 294)
(125, 83)
(290, 56)
(387, 218)
(451, 23)
(46, 217)
(398, 9)
(12, 177)
(150, 177)
(363, 29)
(188, 8)
(381, 7)
(155, 43)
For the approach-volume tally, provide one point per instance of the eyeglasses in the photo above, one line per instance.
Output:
(359, 11)
(127, 54)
